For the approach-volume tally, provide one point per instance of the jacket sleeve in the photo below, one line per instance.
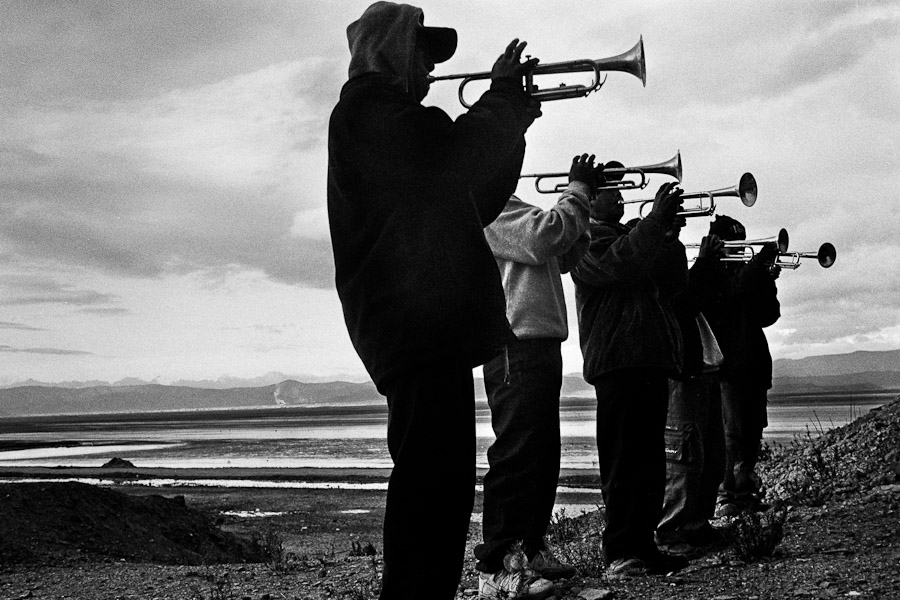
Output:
(491, 197)
(670, 269)
(489, 135)
(573, 255)
(526, 234)
(614, 260)
(422, 147)
(753, 286)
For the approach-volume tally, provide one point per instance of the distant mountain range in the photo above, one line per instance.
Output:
(857, 371)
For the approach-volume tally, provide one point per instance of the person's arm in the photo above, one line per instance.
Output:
(573, 255)
(670, 270)
(491, 197)
(756, 288)
(526, 234)
(616, 259)
(494, 127)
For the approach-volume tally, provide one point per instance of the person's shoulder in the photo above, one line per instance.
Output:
(608, 228)
(515, 203)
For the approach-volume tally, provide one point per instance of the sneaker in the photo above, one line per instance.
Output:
(661, 563)
(622, 568)
(548, 566)
(523, 585)
(681, 549)
(728, 509)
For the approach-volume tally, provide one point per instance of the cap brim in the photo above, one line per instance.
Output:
(440, 42)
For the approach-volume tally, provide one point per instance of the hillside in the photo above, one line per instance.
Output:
(861, 372)
(42, 400)
(838, 364)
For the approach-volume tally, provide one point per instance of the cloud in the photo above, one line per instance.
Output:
(137, 49)
(50, 351)
(19, 326)
(200, 179)
(37, 290)
(105, 311)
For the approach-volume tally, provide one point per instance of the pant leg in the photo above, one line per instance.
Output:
(431, 438)
(684, 459)
(694, 457)
(520, 485)
(743, 422)
(631, 417)
(713, 448)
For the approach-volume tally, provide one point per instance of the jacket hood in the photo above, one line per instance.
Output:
(383, 40)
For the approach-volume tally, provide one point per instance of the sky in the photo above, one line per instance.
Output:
(163, 166)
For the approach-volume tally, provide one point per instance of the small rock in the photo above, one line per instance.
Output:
(596, 594)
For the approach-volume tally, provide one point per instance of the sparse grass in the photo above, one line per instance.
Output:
(368, 587)
(756, 535)
(578, 541)
(218, 586)
(815, 476)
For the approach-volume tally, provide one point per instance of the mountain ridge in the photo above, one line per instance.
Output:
(861, 371)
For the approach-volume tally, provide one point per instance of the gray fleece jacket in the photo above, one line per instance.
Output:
(532, 247)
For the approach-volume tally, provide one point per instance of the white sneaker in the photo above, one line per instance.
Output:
(522, 585)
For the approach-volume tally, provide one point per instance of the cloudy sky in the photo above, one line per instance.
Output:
(162, 165)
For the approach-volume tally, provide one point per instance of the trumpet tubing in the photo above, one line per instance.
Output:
(671, 167)
(781, 239)
(631, 62)
(746, 190)
(826, 255)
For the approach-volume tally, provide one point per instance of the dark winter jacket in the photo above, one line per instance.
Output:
(687, 307)
(623, 291)
(745, 301)
(409, 191)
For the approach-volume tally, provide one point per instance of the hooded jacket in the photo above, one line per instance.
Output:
(624, 288)
(409, 191)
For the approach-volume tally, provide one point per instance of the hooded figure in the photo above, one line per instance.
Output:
(745, 301)
(409, 192)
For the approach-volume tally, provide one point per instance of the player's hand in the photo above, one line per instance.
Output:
(768, 253)
(583, 170)
(710, 246)
(507, 65)
(668, 201)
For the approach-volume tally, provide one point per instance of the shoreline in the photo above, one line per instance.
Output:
(567, 477)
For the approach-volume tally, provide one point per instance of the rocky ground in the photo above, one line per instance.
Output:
(834, 526)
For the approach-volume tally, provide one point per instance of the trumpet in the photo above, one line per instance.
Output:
(746, 190)
(781, 240)
(826, 256)
(671, 167)
(631, 62)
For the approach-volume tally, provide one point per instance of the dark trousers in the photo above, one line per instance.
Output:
(631, 420)
(520, 485)
(744, 418)
(431, 438)
(695, 457)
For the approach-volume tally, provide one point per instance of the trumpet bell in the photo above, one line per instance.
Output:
(627, 62)
(782, 240)
(747, 189)
(826, 255)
